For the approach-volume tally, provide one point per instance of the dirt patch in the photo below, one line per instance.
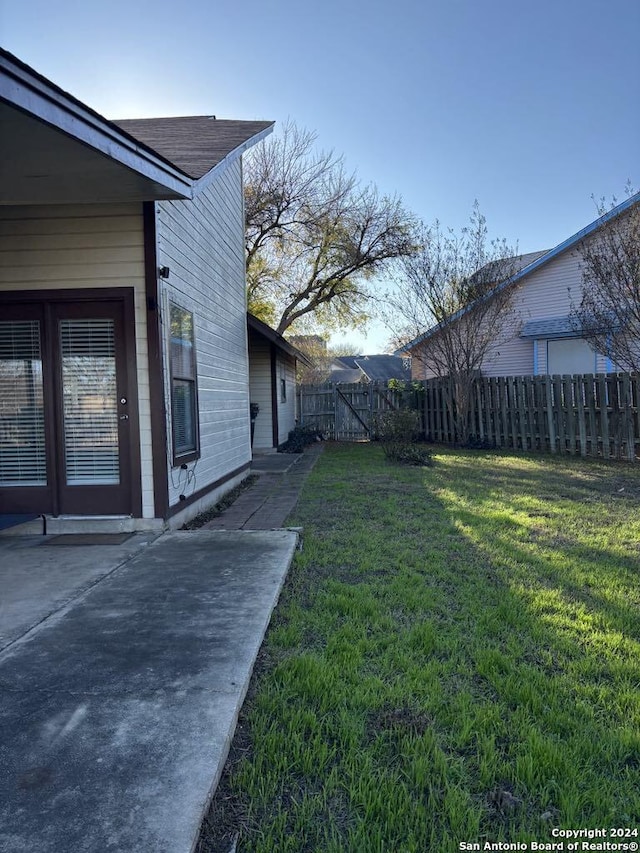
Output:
(403, 719)
(229, 499)
(227, 816)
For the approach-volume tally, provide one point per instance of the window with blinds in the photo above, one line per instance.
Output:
(22, 440)
(89, 402)
(184, 397)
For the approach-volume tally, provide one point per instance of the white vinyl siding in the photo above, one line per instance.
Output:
(260, 356)
(542, 294)
(202, 243)
(285, 371)
(260, 385)
(545, 293)
(58, 247)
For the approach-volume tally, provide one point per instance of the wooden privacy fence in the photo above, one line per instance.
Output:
(345, 411)
(589, 415)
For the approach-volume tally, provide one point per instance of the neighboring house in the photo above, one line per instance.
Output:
(124, 377)
(272, 383)
(369, 368)
(544, 340)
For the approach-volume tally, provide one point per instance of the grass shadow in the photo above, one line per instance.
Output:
(442, 667)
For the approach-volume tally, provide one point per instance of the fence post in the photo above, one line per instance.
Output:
(541, 421)
(580, 404)
(512, 403)
(614, 405)
(522, 410)
(628, 430)
(549, 388)
(479, 408)
(570, 427)
(603, 401)
(636, 413)
(504, 410)
(494, 410)
(590, 405)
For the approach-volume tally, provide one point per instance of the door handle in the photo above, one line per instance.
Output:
(124, 417)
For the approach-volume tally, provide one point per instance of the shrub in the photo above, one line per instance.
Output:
(409, 454)
(397, 431)
(299, 438)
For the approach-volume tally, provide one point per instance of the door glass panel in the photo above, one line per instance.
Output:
(22, 445)
(90, 403)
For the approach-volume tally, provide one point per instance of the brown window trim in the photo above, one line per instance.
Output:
(185, 458)
(180, 459)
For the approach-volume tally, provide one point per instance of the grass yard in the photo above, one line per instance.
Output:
(455, 659)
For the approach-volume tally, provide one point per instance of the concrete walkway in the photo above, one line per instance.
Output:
(266, 504)
(123, 669)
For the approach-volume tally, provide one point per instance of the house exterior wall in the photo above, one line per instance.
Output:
(286, 372)
(202, 243)
(260, 359)
(543, 294)
(66, 247)
(260, 385)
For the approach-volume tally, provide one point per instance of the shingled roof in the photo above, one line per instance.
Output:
(195, 144)
(382, 368)
(550, 327)
(374, 368)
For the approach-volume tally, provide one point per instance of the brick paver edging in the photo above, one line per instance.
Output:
(266, 504)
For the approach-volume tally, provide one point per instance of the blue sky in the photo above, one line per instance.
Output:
(528, 107)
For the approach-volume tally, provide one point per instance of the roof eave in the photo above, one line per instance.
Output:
(28, 91)
(276, 338)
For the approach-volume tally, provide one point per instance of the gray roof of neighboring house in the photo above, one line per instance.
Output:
(511, 265)
(347, 375)
(523, 261)
(195, 144)
(552, 327)
(376, 368)
(537, 260)
(380, 368)
(349, 361)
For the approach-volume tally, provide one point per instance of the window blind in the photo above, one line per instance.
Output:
(22, 440)
(90, 410)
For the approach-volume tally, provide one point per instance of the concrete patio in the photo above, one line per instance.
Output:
(123, 671)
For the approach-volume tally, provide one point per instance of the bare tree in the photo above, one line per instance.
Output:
(609, 312)
(456, 307)
(319, 359)
(320, 356)
(314, 236)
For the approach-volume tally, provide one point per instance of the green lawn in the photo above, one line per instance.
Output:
(455, 658)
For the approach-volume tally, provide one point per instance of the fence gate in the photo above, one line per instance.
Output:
(345, 411)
